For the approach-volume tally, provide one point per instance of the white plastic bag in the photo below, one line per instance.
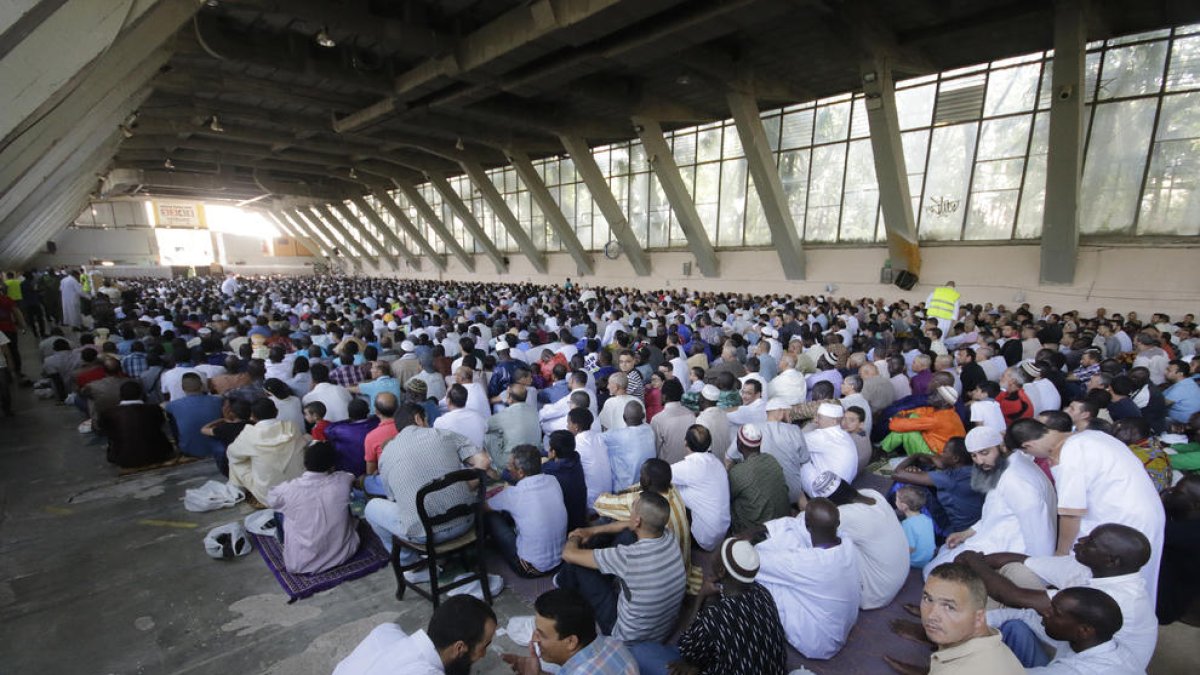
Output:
(227, 541)
(261, 523)
(212, 496)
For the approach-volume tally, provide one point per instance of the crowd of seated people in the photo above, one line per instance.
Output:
(627, 434)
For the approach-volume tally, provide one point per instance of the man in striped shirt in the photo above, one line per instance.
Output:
(650, 574)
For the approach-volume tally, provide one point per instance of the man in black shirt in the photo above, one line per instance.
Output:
(970, 373)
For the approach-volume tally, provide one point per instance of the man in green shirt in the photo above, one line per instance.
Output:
(758, 491)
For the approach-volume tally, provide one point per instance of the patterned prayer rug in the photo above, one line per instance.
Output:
(371, 557)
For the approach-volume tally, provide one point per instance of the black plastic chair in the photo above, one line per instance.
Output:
(460, 547)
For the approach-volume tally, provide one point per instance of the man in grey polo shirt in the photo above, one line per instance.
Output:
(415, 456)
(649, 573)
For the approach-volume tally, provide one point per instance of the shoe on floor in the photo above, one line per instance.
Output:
(420, 576)
(495, 585)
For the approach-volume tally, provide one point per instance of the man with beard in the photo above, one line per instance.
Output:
(1018, 511)
(1181, 549)
(459, 634)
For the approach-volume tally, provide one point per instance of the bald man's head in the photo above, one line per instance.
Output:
(633, 415)
(1113, 550)
(821, 517)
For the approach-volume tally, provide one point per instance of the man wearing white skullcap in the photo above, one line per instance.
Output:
(715, 419)
(1019, 509)
(830, 448)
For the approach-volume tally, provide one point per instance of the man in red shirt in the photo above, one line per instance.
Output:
(385, 407)
(12, 321)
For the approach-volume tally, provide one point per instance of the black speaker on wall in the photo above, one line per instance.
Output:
(51, 247)
(906, 279)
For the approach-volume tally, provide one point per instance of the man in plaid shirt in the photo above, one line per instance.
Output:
(347, 374)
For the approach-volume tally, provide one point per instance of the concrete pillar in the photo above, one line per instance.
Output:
(32, 158)
(286, 227)
(1064, 156)
(618, 224)
(767, 183)
(433, 220)
(65, 39)
(680, 198)
(301, 215)
(352, 221)
(494, 199)
(890, 171)
(550, 209)
(372, 215)
(320, 212)
(464, 214)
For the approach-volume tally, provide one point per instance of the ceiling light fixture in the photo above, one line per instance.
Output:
(215, 124)
(684, 80)
(459, 145)
(324, 40)
(353, 174)
(169, 164)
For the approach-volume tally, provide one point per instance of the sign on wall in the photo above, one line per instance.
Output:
(178, 214)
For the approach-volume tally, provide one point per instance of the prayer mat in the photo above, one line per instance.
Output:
(175, 461)
(370, 557)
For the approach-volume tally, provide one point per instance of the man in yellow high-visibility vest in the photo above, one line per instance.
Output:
(942, 304)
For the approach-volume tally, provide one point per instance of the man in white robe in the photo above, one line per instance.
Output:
(1019, 510)
(72, 296)
(830, 448)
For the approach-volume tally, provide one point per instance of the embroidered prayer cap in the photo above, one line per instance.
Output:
(740, 559)
(825, 484)
(750, 436)
(710, 392)
(948, 394)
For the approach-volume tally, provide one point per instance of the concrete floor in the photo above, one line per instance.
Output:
(104, 575)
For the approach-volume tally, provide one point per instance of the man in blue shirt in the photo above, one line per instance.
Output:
(190, 413)
(1183, 396)
(381, 381)
(956, 506)
(564, 464)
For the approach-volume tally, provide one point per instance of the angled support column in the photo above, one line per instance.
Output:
(389, 204)
(618, 224)
(765, 175)
(682, 203)
(550, 209)
(435, 223)
(52, 206)
(370, 214)
(353, 222)
(26, 204)
(1064, 156)
(494, 199)
(891, 174)
(464, 214)
(320, 213)
(291, 220)
(25, 163)
(291, 231)
(303, 229)
(314, 224)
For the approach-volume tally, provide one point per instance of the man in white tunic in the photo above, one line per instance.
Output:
(72, 295)
(812, 575)
(1099, 481)
(1018, 512)
(830, 448)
